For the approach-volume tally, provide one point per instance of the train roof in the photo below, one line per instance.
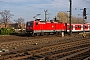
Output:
(42, 21)
(77, 24)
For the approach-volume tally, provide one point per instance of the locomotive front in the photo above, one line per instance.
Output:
(29, 27)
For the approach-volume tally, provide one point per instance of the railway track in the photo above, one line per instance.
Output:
(10, 38)
(46, 49)
(32, 41)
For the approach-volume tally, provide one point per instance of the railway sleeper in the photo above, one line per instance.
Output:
(88, 58)
(58, 48)
(56, 51)
(81, 56)
(19, 58)
(65, 53)
(73, 55)
(12, 55)
(37, 57)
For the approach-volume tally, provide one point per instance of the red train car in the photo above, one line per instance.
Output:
(78, 27)
(34, 27)
(40, 27)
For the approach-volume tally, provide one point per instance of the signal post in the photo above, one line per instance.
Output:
(84, 18)
(70, 32)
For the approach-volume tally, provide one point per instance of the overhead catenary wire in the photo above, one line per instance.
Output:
(87, 0)
(31, 6)
(37, 7)
(34, 6)
(21, 11)
(60, 2)
(20, 4)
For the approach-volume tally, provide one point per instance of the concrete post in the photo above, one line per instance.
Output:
(62, 34)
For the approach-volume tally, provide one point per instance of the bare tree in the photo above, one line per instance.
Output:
(1, 20)
(6, 15)
(20, 22)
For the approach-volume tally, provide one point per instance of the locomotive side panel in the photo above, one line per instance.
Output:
(59, 27)
(48, 27)
(37, 27)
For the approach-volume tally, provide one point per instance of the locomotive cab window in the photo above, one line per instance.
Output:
(29, 23)
(36, 24)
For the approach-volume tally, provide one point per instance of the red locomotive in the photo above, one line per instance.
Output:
(42, 27)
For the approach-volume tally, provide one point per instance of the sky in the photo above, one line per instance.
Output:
(27, 9)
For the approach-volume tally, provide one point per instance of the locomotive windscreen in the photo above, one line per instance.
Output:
(29, 23)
